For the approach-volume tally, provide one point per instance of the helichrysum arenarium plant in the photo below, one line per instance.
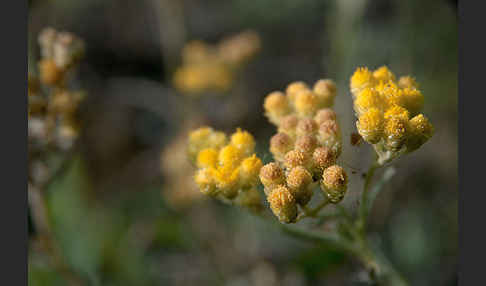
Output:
(306, 149)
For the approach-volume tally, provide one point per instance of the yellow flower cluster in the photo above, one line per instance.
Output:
(213, 67)
(305, 148)
(389, 112)
(226, 170)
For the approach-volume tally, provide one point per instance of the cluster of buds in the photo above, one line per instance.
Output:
(60, 51)
(226, 170)
(388, 112)
(208, 67)
(52, 106)
(305, 148)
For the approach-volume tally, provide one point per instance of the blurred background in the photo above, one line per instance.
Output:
(123, 207)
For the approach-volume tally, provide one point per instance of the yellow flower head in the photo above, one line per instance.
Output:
(230, 156)
(421, 130)
(205, 181)
(397, 111)
(413, 100)
(325, 89)
(226, 178)
(298, 181)
(207, 158)
(294, 88)
(383, 74)
(271, 175)
(322, 158)
(276, 105)
(370, 125)
(244, 141)
(369, 98)
(362, 78)
(250, 169)
(395, 131)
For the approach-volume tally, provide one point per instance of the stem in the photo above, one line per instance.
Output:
(313, 212)
(363, 212)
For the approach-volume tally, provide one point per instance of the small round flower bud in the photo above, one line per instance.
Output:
(288, 124)
(216, 139)
(407, 82)
(205, 182)
(306, 103)
(249, 170)
(230, 156)
(295, 158)
(322, 158)
(280, 144)
(383, 74)
(207, 158)
(421, 130)
(306, 144)
(397, 111)
(283, 204)
(370, 125)
(271, 175)
(395, 131)
(226, 178)
(50, 74)
(324, 115)
(368, 98)
(361, 79)
(294, 88)
(276, 104)
(334, 180)
(244, 141)
(328, 129)
(306, 126)
(298, 181)
(326, 91)
(414, 100)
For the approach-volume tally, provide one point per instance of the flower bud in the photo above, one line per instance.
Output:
(407, 82)
(370, 125)
(283, 204)
(329, 135)
(395, 132)
(306, 103)
(276, 105)
(294, 88)
(226, 178)
(325, 89)
(295, 158)
(421, 130)
(244, 141)
(207, 158)
(414, 100)
(298, 181)
(306, 126)
(368, 98)
(249, 170)
(288, 124)
(334, 180)
(397, 111)
(271, 175)
(361, 79)
(230, 156)
(324, 115)
(306, 144)
(322, 158)
(205, 182)
(383, 74)
(280, 144)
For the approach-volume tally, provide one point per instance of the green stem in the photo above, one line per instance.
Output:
(363, 211)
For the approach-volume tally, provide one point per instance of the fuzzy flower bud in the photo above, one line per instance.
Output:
(280, 144)
(205, 182)
(306, 126)
(368, 98)
(361, 79)
(249, 170)
(334, 180)
(306, 144)
(395, 132)
(276, 105)
(324, 114)
(298, 180)
(370, 125)
(322, 158)
(306, 103)
(295, 158)
(294, 88)
(383, 74)
(326, 91)
(207, 158)
(407, 82)
(244, 141)
(283, 204)
(271, 175)
(421, 130)
(230, 156)
(289, 124)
